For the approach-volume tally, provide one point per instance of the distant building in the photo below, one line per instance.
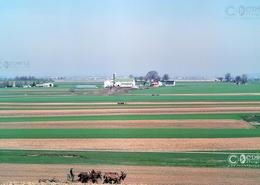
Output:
(45, 85)
(26, 86)
(156, 84)
(168, 83)
(108, 83)
(120, 82)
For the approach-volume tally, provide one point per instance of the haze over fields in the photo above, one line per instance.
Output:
(88, 37)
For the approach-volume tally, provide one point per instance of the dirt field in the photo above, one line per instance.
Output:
(136, 174)
(129, 111)
(138, 145)
(133, 103)
(131, 124)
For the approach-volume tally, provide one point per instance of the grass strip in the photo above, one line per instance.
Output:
(234, 116)
(191, 159)
(128, 133)
(126, 98)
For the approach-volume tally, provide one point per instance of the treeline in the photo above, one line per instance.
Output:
(21, 81)
(152, 76)
(239, 79)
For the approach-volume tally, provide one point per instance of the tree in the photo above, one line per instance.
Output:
(139, 78)
(228, 77)
(220, 79)
(152, 75)
(165, 77)
(238, 79)
(131, 76)
(244, 79)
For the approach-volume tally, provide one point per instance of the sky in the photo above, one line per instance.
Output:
(101, 37)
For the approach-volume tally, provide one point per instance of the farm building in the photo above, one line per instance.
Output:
(156, 84)
(45, 85)
(168, 83)
(120, 82)
(108, 83)
(125, 82)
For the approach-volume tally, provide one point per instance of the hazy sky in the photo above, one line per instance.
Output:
(99, 37)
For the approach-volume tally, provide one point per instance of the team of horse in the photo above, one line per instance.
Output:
(96, 177)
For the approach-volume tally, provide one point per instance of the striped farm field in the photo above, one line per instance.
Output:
(179, 131)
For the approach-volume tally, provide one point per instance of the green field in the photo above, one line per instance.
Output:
(62, 99)
(236, 116)
(128, 133)
(192, 159)
(202, 87)
(180, 88)
(64, 93)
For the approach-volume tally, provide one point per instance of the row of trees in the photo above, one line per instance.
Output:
(153, 76)
(239, 79)
(22, 81)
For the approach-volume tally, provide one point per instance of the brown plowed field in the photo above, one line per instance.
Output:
(134, 103)
(129, 111)
(135, 174)
(140, 145)
(131, 124)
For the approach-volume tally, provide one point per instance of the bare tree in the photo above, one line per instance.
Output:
(152, 75)
(165, 77)
(220, 79)
(228, 77)
(131, 76)
(244, 79)
(238, 79)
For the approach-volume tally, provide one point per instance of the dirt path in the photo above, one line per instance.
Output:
(128, 111)
(140, 145)
(135, 174)
(130, 124)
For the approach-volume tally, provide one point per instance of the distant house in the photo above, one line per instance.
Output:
(108, 83)
(156, 84)
(26, 86)
(168, 83)
(120, 82)
(125, 82)
(45, 85)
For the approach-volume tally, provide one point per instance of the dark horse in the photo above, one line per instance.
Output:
(92, 176)
(114, 177)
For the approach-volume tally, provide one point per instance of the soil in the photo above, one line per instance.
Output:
(16, 113)
(130, 124)
(137, 145)
(134, 103)
(30, 174)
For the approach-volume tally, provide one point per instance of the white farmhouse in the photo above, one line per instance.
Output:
(120, 82)
(45, 85)
(108, 83)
